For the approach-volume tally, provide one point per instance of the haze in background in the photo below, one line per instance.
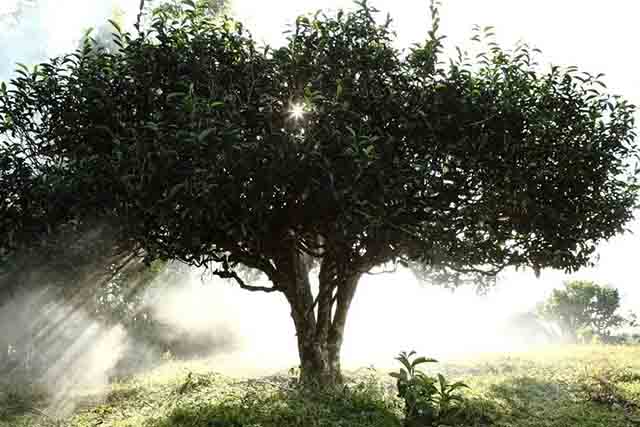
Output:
(391, 312)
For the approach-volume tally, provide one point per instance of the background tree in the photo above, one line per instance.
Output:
(334, 152)
(583, 307)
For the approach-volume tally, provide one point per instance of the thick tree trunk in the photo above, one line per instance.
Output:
(318, 365)
(319, 321)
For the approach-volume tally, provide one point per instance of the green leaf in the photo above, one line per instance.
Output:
(421, 360)
(458, 384)
(370, 150)
(442, 381)
(106, 129)
(173, 95)
(401, 375)
(115, 25)
(205, 133)
(174, 191)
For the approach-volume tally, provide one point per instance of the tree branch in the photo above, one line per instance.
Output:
(343, 297)
(317, 298)
(472, 270)
(228, 274)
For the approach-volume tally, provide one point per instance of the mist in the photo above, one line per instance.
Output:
(246, 333)
(55, 347)
(58, 341)
(391, 312)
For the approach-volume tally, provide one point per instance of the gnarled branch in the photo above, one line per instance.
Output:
(228, 274)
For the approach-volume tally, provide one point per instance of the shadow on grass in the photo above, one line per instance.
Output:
(269, 405)
(521, 392)
(528, 401)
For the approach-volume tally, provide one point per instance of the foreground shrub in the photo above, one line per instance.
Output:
(428, 401)
(609, 386)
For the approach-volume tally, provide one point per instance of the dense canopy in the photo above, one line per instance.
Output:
(336, 147)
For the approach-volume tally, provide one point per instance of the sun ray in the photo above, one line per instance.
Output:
(297, 111)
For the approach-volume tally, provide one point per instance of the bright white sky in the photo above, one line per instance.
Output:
(595, 36)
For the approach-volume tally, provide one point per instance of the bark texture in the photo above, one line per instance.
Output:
(319, 320)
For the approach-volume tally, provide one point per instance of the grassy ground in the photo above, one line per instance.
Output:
(558, 386)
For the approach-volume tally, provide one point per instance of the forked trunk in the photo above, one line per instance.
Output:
(319, 321)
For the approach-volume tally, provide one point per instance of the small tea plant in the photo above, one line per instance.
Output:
(428, 401)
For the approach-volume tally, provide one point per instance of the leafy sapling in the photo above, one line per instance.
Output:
(429, 401)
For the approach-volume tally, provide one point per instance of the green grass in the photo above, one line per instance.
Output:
(559, 386)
